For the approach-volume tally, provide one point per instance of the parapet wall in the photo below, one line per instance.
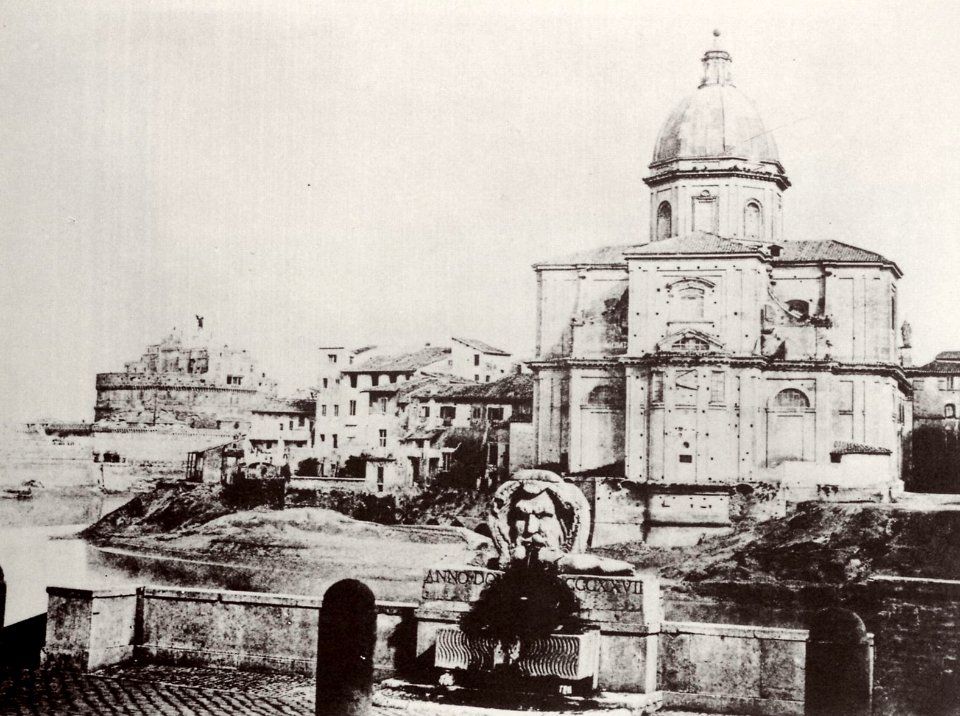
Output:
(716, 667)
(92, 628)
(728, 668)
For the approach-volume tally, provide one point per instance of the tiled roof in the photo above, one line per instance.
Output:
(828, 251)
(847, 448)
(421, 434)
(481, 346)
(294, 406)
(610, 255)
(509, 389)
(946, 363)
(400, 362)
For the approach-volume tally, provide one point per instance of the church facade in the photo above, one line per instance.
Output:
(718, 352)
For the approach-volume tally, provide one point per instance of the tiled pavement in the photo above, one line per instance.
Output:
(180, 691)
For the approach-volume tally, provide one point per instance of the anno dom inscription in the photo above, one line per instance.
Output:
(578, 583)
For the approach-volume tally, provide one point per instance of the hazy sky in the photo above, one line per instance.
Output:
(304, 173)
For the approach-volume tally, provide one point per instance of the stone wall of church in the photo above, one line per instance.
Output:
(720, 297)
(581, 312)
(717, 424)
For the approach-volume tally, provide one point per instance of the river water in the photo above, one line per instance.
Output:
(38, 548)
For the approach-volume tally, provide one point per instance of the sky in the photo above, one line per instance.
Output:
(314, 173)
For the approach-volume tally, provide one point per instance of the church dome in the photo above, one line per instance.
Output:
(717, 121)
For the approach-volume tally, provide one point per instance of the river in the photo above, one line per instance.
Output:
(38, 548)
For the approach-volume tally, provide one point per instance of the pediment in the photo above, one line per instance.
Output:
(690, 340)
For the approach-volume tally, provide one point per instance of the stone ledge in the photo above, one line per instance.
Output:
(80, 593)
(734, 630)
(718, 704)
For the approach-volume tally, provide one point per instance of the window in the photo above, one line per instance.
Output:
(686, 458)
(323, 410)
(717, 386)
(476, 413)
(476, 379)
(383, 438)
(690, 306)
(951, 382)
(664, 221)
(326, 382)
(333, 439)
(331, 357)
(802, 308)
(425, 411)
(374, 380)
(336, 411)
(949, 410)
(353, 407)
(893, 312)
(379, 478)
(691, 343)
(791, 398)
(323, 438)
(446, 461)
(382, 405)
(656, 387)
(705, 213)
(300, 421)
(234, 379)
(353, 380)
(752, 220)
(476, 359)
(291, 423)
(448, 412)
(494, 414)
(281, 426)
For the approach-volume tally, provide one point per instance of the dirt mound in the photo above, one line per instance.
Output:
(818, 543)
(167, 508)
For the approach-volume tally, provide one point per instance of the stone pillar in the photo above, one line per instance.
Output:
(3, 598)
(345, 645)
(839, 665)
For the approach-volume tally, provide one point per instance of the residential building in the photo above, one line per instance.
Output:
(281, 431)
(357, 408)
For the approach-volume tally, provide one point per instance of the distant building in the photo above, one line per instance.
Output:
(358, 389)
(936, 390)
(281, 431)
(184, 383)
(440, 415)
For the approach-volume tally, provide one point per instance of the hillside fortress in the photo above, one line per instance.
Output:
(718, 353)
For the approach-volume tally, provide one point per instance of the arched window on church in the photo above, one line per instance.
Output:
(664, 221)
(752, 220)
(949, 410)
(791, 398)
(690, 306)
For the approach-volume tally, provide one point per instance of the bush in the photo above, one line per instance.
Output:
(309, 467)
(935, 460)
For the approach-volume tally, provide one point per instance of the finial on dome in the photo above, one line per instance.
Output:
(716, 64)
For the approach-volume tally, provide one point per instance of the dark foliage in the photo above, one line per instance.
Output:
(309, 467)
(524, 603)
(935, 460)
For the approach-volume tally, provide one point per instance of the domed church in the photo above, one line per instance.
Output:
(718, 368)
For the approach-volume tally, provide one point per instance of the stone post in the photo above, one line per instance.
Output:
(345, 644)
(3, 598)
(839, 665)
